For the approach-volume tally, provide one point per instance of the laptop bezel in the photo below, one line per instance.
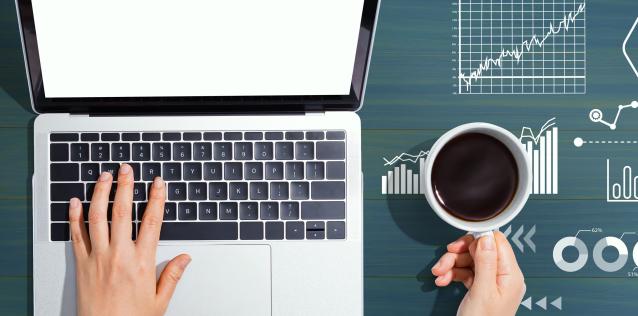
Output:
(199, 104)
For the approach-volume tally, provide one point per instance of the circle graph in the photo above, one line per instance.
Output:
(521, 47)
(615, 265)
(576, 265)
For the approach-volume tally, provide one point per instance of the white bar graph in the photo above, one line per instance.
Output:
(555, 160)
(541, 180)
(625, 188)
(402, 180)
(384, 184)
(543, 154)
(390, 182)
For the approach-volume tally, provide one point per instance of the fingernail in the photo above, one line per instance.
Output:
(452, 243)
(75, 202)
(437, 264)
(158, 183)
(487, 242)
(125, 169)
(105, 176)
(185, 262)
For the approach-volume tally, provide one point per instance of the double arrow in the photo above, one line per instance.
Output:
(528, 237)
(542, 303)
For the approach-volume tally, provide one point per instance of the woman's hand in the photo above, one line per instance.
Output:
(488, 269)
(115, 275)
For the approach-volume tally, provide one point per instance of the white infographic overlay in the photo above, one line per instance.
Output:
(401, 179)
(140, 48)
(542, 152)
(527, 47)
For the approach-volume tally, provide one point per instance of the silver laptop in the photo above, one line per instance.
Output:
(245, 108)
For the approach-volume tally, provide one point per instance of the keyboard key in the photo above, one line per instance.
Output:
(63, 137)
(228, 211)
(90, 137)
(130, 137)
(279, 190)
(314, 225)
(323, 210)
(141, 152)
(314, 135)
(253, 171)
(217, 191)
(251, 231)
(294, 135)
(274, 230)
(212, 171)
(100, 152)
(295, 230)
(274, 171)
(299, 191)
(315, 234)
(90, 171)
(202, 151)
(120, 152)
(248, 211)
(110, 137)
(177, 191)
(187, 211)
(59, 152)
(223, 151)
(329, 190)
(192, 171)
(243, 151)
(232, 136)
(151, 170)
(111, 168)
(284, 151)
(79, 152)
(161, 151)
(207, 211)
(314, 170)
(290, 210)
(238, 191)
(171, 136)
(197, 191)
(60, 232)
(65, 191)
(59, 212)
(150, 137)
(181, 151)
(137, 174)
(233, 171)
(253, 136)
(141, 208)
(304, 151)
(192, 136)
(268, 210)
(213, 136)
(274, 135)
(336, 170)
(331, 150)
(172, 171)
(335, 135)
(263, 151)
(170, 211)
(336, 230)
(294, 170)
(65, 171)
(259, 190)
(199, 231)
(139, 192)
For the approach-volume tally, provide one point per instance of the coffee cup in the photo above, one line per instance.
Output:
(520, 193)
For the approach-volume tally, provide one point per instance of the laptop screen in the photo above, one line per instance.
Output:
(185, 48)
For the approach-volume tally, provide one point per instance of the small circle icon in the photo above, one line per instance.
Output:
(579, 263)
(578, 142)
(596, 115)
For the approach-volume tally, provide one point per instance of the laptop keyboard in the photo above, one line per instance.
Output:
(220, 185)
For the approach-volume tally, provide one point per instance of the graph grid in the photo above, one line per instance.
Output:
(521, 47)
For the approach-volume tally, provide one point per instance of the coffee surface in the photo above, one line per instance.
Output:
(474, 177)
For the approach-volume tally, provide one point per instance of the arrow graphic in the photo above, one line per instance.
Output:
(517, 242)
(624, 47)
(558, 303)
(527, 303)
(508, 231)
(542, 303)
(528, 238)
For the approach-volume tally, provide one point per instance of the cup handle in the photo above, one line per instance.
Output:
(478, 235)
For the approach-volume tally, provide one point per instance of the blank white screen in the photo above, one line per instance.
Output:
(143, 48)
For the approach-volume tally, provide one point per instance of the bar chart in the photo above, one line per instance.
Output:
(402, 180)
(625, 189)
(542, 152)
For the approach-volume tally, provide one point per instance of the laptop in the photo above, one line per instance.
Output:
(245, 108)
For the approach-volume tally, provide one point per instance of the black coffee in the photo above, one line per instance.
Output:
(474, 177)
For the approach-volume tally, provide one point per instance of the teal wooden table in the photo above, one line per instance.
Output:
(409, 103)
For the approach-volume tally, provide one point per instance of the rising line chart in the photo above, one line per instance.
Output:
(523, 47)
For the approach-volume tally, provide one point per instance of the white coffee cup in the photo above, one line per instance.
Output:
(520, 196)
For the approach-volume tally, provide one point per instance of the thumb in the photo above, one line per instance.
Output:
(169, 277)
(485, 265)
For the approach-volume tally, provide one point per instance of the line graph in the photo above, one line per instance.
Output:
(596, 115)
(542, 152)
(521, 47)
(405, 157)
(528, 132)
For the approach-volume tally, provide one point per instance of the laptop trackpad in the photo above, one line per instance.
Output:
(221, 280)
